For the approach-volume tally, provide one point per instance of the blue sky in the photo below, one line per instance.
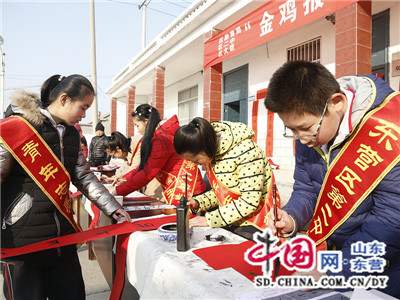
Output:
(42, 38)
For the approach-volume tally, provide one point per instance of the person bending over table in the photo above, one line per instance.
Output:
(239, 173)
(159, 160)
(128, 149)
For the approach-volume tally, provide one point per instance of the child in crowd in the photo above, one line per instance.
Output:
(347, 173)
(83, 140)
(40, 155)
(128, 149)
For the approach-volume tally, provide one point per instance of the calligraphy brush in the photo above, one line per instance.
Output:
(277, 261)
(186, 187)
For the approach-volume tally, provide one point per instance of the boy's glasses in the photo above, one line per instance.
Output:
(290, 135)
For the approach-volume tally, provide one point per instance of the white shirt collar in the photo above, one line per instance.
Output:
(59, 127)
(344, 127)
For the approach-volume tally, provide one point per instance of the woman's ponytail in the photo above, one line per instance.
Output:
(146, 112)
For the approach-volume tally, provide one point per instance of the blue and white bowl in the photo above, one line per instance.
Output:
(167, 232)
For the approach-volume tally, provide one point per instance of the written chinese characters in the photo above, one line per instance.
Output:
(31, 149)
(266, 24)
(288, 11)
(387, 132)
(272, 18)
(48, 171)
(312, 5)
(353, 173)
(269, 21)
(296, 254)
(333, 261)
(302, 253)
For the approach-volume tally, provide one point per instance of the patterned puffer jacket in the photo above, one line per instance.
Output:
(241, 165)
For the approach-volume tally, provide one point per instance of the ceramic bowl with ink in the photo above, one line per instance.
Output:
(167, 232)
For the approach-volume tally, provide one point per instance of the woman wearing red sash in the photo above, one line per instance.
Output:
(40, 156)
(128, 149)
(238, 170)
(159, 160)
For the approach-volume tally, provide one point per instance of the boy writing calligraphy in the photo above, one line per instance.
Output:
(347, 173)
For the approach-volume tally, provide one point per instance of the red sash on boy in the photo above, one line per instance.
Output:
(372, 151)
(38, 160)
(174, 186)
(258, 218)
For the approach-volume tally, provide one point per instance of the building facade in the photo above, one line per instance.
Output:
(215, 60)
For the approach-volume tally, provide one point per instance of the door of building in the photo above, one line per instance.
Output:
(235, 87)
(380, 44)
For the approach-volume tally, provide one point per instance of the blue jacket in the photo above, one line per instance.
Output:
(378, 216)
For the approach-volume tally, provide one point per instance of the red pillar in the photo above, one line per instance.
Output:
(353, 39)
(130, 107)
(158, 89)
(212, 77)
(113, 114)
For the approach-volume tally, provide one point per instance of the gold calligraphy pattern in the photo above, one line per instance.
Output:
(387, 132)
(67, 204)
(367, 157)
(228, 199)
(48, 171)
(169, 181)
(30, 148)
(318, 222)
(169, 193)
(215, 187)
(191, 166)
(62, 189)
(336, 197)
(347, 178)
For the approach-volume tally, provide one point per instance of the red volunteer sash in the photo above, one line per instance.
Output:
(258, 218)
(361, 164)
(254, 120)
(174, 186)
(38, 160)
(136, 152)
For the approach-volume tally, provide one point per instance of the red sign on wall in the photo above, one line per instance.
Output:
(269, 21)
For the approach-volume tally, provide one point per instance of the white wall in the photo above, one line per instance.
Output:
(121, 117)
(264, 60)
(171, 94)
(394, 40)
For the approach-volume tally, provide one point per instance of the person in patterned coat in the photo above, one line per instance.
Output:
(238, 171)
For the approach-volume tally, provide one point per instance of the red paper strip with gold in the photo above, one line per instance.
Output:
(175, 185)
(89, 235)
(259, 217)
(39, 161)
(372, 151)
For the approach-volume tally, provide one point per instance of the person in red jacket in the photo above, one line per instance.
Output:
(159, 160)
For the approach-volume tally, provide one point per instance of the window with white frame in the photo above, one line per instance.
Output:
(187, 105)
(308, 51)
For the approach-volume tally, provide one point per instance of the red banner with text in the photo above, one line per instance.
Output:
(269, 21)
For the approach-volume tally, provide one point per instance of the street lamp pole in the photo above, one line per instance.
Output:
(144, 6)
(95, 113)
(3, 66)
